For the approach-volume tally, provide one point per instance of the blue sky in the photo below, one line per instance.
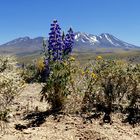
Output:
(32, 18)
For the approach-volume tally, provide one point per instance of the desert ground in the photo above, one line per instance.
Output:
(27, 107)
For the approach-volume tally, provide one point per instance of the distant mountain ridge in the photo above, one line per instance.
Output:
(104, 40)
(22, 45)
(25, 45)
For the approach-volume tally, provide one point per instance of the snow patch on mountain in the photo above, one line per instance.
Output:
(94, 39)
(109, 39)
(18, 40)
(103, 40)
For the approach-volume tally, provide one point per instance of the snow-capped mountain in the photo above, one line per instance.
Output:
(25, 45)
(103, 40)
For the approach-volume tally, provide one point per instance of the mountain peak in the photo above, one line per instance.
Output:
(18, 40)
(105, 35)
(23, 38)
(102, 40)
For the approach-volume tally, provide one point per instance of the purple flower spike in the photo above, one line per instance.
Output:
(55, 42)
(69, 41)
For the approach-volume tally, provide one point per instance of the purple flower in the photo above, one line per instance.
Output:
(69, 41)
(55, 42)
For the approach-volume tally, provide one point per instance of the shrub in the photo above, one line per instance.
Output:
(29, 73)
(115, 83)
(10, 83)
(133, 108)
(34, 72)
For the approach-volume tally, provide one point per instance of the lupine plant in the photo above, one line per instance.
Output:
(57, 67)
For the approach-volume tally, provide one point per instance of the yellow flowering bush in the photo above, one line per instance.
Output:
(112, 85)
(72, 58)
(40, 64)
(34, 72)
(99, 57)
(93, 75)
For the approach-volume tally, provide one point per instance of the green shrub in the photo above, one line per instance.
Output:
(30, 73)
(115, 83)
